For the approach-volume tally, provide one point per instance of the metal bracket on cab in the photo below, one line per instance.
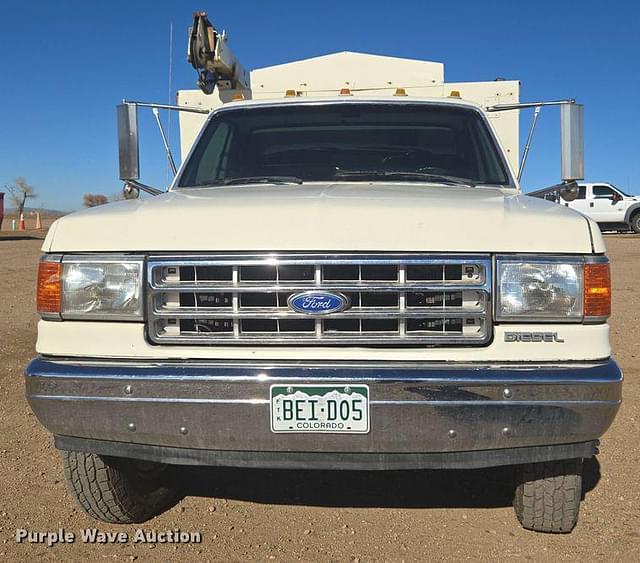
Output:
(132, 189)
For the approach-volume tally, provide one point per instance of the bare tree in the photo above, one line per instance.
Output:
(19, 192)
(93, 200)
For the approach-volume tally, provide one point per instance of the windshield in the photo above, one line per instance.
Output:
(346, 141)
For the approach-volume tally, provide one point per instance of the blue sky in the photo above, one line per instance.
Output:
(65, 65)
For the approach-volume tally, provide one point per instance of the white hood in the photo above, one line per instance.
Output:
(326, 217)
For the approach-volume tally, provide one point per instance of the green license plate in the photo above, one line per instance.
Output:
(336, 409)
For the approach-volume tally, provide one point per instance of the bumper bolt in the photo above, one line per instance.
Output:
(128, 389)
(506, 431)
(131, 426)
(507, 393)
(452, 433)
(184, 430)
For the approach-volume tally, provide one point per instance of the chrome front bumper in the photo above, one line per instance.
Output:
(425, 414)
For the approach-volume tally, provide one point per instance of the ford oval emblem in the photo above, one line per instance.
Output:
(318, 302)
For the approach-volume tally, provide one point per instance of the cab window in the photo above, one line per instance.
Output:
(603, 192)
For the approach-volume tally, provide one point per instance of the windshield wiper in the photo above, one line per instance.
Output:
(414, 176)
(263, 180)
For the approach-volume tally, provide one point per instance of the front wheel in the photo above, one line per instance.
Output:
(634, 223)
(118, 490)
(548, 495)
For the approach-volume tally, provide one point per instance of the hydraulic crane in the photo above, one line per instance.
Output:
(210, 55)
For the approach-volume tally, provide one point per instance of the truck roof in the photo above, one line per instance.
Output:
(347, 99)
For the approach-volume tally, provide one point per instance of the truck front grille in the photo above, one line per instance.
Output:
(393, 300)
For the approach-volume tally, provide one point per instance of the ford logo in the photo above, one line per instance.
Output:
(318, 302)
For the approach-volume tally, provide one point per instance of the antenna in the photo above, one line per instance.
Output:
(169, 100)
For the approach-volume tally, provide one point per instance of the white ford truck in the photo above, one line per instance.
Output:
(343, 274)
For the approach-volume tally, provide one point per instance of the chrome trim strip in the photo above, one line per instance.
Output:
(371, 402)
(252, 287)
(55, 257)
(570, 373)
(282, 313)
(340, 339)
(103, 257)
(549, 257)
(150, 400)
(298, 257)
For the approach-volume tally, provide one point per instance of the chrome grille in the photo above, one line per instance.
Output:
(393, 299)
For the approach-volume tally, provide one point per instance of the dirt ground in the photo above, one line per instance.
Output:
(348, 516)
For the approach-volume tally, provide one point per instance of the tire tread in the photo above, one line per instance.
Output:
(548, 495)
(105, 491)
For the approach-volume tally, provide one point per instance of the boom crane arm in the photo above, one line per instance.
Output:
(212, 58)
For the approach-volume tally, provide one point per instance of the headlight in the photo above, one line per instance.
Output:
(553, 289)
(540, 290)
(92, 287)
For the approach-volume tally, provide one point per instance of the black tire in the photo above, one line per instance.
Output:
(634, 222)
(548, 495)
(118, 490)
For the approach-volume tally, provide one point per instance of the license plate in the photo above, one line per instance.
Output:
(338, 409)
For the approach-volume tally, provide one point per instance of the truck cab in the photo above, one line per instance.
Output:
(336, 279)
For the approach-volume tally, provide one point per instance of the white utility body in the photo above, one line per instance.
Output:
(363, 75)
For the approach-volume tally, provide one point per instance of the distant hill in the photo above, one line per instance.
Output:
(41, 210)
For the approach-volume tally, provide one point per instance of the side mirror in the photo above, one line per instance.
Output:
(128, 150)
(569, 191)
(129, 153)
(572, 142)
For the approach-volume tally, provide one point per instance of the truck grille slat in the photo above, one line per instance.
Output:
(393, 300)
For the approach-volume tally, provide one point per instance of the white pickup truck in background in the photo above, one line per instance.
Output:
(607, 205)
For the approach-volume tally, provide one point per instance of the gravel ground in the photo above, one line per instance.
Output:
(286, 515)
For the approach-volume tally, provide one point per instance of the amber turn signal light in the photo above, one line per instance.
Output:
(597, 290)
(49, 287)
